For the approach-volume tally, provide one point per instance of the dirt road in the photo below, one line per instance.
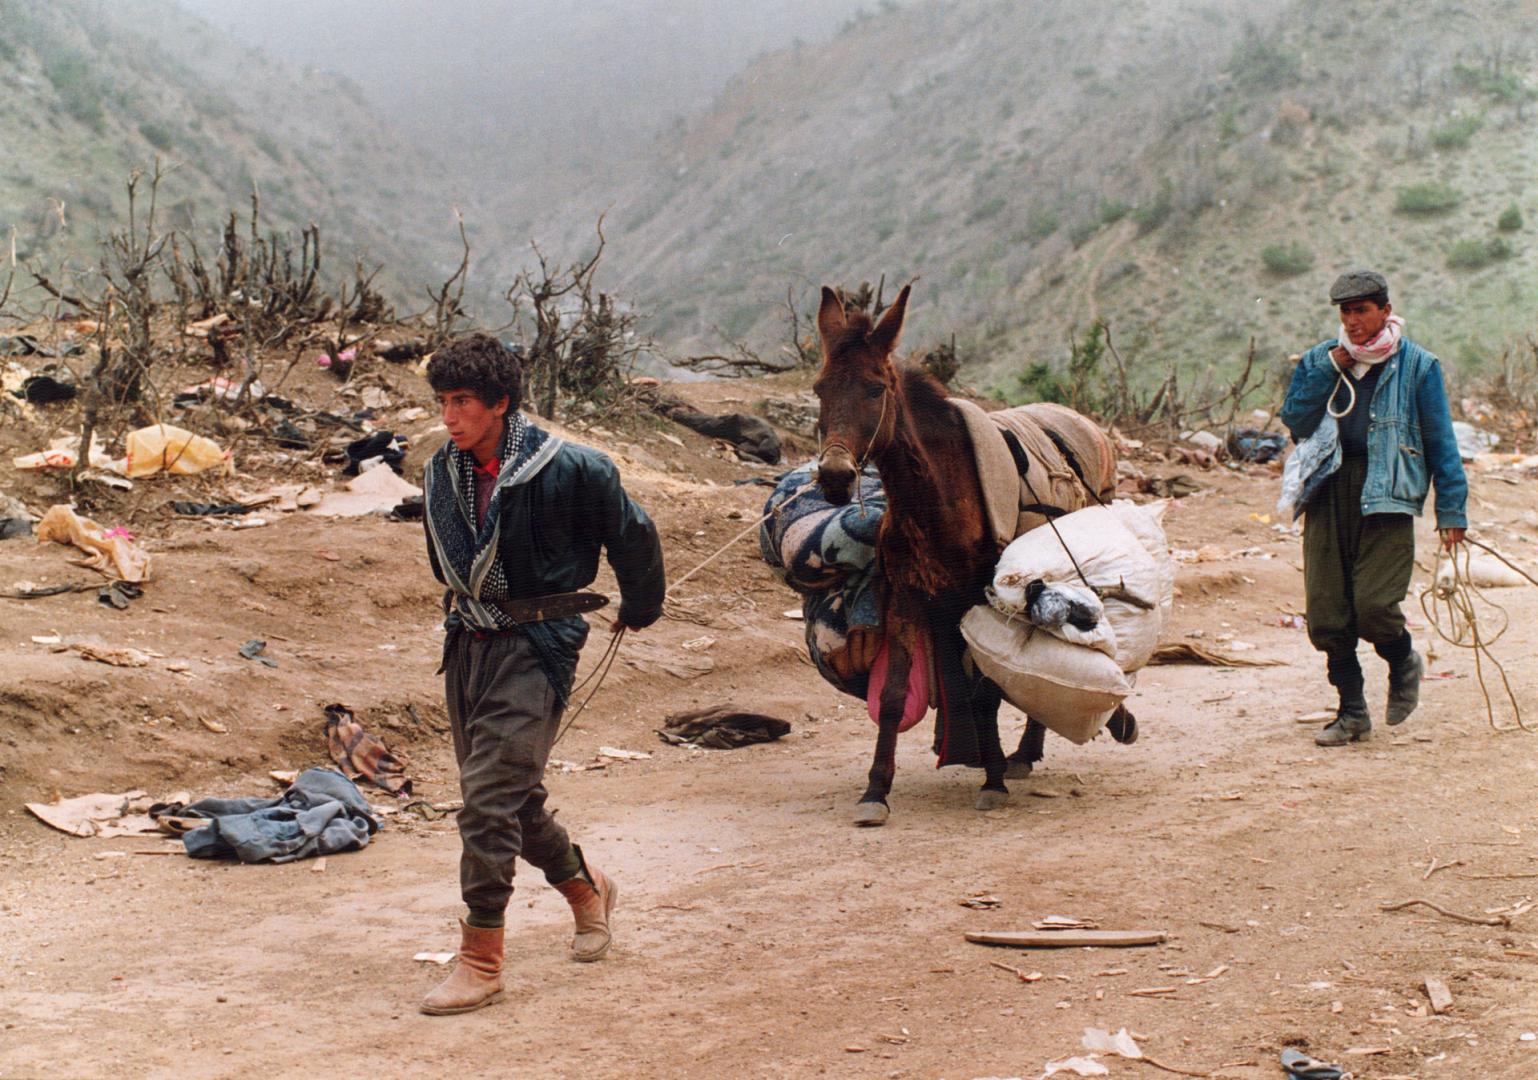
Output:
(759, 934)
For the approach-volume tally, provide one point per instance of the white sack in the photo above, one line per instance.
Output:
(1072, 689)
(1110, 555)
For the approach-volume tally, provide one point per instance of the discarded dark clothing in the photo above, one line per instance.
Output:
(253, 650)
(362, 755)
(381, 444)
(722, 727)
(119, 594)
(287, 435)
(408, 509)
(14, 519)
(322, 813)
(1253, 444)
(27, 345)
(52, 382)
(197, 509)
(751, 436)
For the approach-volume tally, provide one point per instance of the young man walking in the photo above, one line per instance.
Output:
(1396, 438)
(515, 520)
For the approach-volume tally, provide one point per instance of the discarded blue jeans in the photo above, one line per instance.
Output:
(322, 813)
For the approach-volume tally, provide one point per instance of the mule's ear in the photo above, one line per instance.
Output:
(890, 328)
(830, 316)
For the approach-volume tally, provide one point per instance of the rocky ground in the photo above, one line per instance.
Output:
(759, 933)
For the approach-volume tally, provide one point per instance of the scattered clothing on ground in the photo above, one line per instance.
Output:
(722, 727)
(360, 754)
(322, 813)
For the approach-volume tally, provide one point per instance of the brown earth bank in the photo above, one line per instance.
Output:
(759, 933)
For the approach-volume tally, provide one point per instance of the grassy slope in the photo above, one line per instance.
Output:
(1006, 153)
(90, 91)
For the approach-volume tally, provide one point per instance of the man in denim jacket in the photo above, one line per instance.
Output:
(1396, 438)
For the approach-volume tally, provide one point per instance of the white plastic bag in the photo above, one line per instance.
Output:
(1310, 464)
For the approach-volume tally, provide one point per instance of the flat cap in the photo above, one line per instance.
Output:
(1355, 284)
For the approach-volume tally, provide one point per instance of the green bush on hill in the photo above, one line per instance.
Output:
(1287, 260)
(1510, 219)
(158, 135)
(1428, 198)
(1473, 254)
(1455, 135)
(1504, 86)
(1259, 64)
(77, 88)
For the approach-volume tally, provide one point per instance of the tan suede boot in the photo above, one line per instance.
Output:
(476, 979)
(591, 895)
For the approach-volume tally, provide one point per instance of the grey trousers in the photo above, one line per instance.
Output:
(505, 717)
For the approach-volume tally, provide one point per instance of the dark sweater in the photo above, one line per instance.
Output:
(1353, 425)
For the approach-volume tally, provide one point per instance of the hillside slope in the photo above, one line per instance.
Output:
(1042, 165)
(91, 91)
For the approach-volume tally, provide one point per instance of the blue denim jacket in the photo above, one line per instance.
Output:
(1410, 439)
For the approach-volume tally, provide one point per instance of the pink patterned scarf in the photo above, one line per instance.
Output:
(1379, 349)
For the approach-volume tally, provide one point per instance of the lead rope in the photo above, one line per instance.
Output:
(1450, 608)
(611, 653)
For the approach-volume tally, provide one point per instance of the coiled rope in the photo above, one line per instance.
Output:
(1451, 604)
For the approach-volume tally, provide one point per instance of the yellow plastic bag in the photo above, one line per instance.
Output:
(162, 446)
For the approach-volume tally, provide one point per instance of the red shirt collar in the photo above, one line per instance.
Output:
(491, 468)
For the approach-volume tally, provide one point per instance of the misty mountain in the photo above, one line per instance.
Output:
(92, 91)
(1194, 171)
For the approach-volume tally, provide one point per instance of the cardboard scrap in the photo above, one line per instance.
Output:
(376, 491)
(97, 814)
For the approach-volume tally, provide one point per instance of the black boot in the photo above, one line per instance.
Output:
(1404, 688)
(1352, 723)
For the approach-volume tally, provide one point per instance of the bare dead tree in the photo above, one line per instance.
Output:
(448, 298)
(583, 343)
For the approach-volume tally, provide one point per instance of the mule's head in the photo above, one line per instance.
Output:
(857, 389)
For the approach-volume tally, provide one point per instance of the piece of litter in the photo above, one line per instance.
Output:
(623, 755)
(794, 613)
(213, 725)
(982, 903)
(1064, 922)
(433, 957)
(1079, 1066)
(46, 639)
(1102, 1041)
(319, 867)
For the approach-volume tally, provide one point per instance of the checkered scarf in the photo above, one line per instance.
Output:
(469, 555)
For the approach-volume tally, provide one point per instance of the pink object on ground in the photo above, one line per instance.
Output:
(917, 703)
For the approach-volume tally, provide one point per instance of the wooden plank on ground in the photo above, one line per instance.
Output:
(1068, 939)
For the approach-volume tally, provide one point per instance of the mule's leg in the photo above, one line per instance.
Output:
(1029, 752)
(872, 808)
(985, 714)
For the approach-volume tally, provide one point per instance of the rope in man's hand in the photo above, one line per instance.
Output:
(1449, 604)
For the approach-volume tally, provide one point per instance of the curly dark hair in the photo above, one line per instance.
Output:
(481, 364)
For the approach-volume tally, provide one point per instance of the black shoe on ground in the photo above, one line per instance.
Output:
(1352, 723)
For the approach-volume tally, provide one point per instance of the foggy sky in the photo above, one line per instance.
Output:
(578, 80)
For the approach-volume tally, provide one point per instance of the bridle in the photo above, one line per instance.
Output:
(870, 443)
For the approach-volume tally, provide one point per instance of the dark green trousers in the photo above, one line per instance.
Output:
(1356, 572)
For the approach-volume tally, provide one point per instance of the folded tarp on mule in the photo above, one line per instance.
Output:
(322, 813)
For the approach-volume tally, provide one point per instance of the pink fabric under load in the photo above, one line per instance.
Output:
(917, 703)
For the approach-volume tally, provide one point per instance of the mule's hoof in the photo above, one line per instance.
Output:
(988, 799)
(1017, 770)
(871, 813)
